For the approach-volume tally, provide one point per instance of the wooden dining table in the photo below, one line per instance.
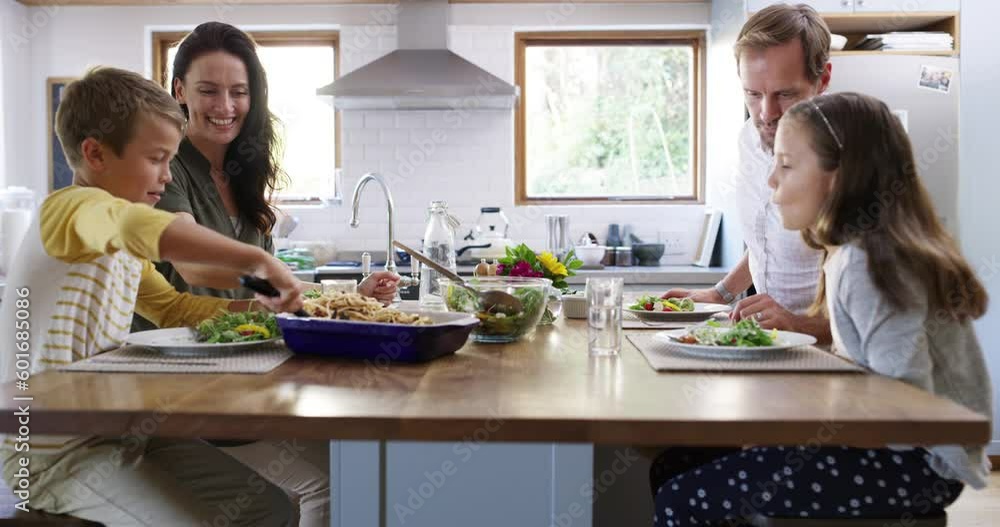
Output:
(543, 389)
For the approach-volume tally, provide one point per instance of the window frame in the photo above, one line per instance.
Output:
(163, 40)
(694, 38)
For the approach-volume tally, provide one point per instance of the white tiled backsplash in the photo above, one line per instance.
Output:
(465, 159)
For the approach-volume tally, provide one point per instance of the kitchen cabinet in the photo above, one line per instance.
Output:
(855, 19)
(904, 6)
(866, 6)
(429, 484)
(823, 6)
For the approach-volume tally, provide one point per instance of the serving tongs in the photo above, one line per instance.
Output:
(491, 301)
(262, 286)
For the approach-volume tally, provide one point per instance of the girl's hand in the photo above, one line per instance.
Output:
(281, 277)
(381, 285)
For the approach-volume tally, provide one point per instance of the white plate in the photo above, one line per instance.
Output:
(184, 342)
(701, 312)
(786, 340)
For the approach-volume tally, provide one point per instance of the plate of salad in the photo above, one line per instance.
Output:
(225, 332)
(744, 339)
(655, 309)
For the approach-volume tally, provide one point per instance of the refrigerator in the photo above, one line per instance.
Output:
(923, 91)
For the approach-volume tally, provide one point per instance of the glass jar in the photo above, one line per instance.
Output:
(439, 245)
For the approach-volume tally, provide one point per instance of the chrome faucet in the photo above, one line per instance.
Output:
(390, 260)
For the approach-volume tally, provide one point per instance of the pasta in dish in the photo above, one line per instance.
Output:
(338, 305)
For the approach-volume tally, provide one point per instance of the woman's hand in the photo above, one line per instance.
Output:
(381, 285)
(282, 278)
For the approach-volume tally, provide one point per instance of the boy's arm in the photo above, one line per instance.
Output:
(162, 305)
(175, 199)
(183, 242)
(79, 224)
(205, 275)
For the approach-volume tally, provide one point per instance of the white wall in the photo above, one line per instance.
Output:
(979, 183)
(472, 168)
(13, 87)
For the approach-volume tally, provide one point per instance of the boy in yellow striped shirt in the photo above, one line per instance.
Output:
(85, 267)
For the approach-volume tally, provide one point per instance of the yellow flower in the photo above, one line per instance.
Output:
(552, 264)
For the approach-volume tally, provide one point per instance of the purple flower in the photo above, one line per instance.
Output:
(501, 269)
(522, 268)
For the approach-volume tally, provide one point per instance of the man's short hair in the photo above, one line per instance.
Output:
(781, 23)
(106, 104)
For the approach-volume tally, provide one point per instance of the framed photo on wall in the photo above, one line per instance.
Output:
(60, 173)
(709, 233)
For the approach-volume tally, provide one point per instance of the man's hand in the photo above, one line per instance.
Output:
(771, 315)
(381, 285)
(766, 311)
(710, 296)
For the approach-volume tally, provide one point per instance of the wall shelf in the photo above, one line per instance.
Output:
(856, 26)
(894, 52)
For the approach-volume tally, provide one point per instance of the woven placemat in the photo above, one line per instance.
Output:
(663, 356)
(144, 360)
(630, 321)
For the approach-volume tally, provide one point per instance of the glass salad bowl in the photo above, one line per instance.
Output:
(496, 326)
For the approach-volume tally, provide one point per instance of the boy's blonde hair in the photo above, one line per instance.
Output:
(105, 105)
(781, 23)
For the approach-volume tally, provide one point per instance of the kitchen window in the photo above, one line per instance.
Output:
(609, 117)
(297, 63)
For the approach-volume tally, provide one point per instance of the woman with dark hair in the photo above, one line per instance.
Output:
(225, 171)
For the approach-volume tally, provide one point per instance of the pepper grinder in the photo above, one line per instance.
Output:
(366, 265)
(414, 278)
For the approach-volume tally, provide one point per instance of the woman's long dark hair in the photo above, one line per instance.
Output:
(251, 160)
(879, 202)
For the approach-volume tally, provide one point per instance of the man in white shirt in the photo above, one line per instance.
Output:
(783, 58)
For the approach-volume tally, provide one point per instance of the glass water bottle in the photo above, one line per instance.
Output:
(439, 245)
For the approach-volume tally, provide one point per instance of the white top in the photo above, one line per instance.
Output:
(781, 264)
(940, 356)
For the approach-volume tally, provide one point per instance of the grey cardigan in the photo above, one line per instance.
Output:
(916, 346)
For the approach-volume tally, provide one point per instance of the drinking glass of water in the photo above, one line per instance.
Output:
(604, 313)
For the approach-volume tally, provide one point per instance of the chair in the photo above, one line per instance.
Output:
(764, 521)
(41, 519)
(12, 517)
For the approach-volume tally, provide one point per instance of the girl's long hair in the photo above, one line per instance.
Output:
(251, 160)
(878, 201)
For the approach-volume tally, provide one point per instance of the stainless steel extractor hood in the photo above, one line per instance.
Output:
(422, 74)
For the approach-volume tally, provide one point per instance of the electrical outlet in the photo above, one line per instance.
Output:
(673, 242)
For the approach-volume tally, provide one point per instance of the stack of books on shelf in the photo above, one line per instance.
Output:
(908, 41)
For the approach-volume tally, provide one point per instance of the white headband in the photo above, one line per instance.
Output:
(829, 126)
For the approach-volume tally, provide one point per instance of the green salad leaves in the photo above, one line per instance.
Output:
(745, 333)
(238, 327)
(655, 303)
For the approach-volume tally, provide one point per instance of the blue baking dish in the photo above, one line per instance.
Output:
(377, 341)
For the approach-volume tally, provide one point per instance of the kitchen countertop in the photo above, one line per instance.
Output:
(664, 274)
(305, 276)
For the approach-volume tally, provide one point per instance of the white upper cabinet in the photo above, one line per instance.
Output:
(823, 6)
(905, 6)
(866, 6)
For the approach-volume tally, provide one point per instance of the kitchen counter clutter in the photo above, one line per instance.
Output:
(668, 274)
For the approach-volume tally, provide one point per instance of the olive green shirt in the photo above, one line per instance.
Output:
(193, 191)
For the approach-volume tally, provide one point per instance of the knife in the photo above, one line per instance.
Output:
(262, 286)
